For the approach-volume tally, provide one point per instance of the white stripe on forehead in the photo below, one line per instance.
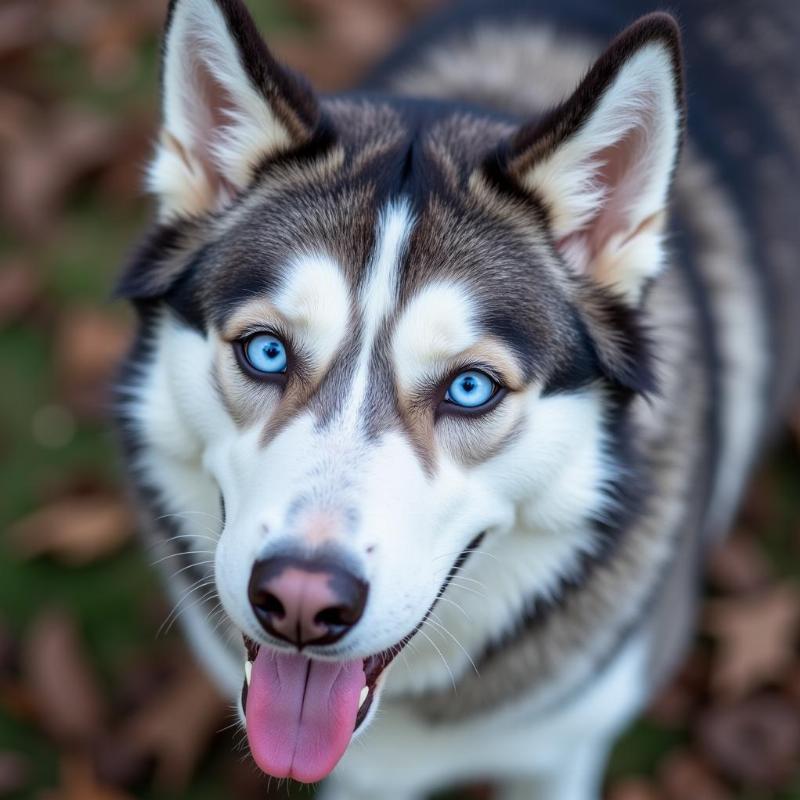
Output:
(437, 325)
(378, 294)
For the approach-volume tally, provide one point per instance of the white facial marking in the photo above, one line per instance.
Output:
(379, 294)
(315, 300)
(436, 325)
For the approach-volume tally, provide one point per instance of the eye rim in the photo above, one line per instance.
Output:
(240, 351)
(446, 407)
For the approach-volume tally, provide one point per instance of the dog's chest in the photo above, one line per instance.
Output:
(521, 738)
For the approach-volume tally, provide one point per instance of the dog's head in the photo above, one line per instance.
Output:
(385, 333)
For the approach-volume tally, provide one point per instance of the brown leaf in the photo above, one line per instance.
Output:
(78, 782)
(756, 741)
(20, 27)
(684, 775)
(350, 36)
(678, 700)
(89, 346)
(65, 145)
(62, 684)
(177, 726)
(738, 565)
(20, 288)
(76, 530)
(756, 637)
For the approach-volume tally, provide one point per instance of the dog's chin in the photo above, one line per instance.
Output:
(301, 713)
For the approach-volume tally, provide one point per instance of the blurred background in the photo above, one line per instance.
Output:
(98, 697)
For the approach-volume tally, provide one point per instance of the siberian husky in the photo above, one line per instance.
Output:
(444, 386)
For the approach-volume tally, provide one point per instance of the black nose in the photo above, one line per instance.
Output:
(306, 601)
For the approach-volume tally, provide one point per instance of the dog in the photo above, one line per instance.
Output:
(443, 387)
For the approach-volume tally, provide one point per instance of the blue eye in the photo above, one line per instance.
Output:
(471, 389)
(266, 353)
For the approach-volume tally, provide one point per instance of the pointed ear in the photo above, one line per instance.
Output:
(602, 162)
(226, 105)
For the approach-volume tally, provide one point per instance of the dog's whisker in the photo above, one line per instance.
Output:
(198, 601)
(161, 542)
(193, 565)
(421, 631)
(201, 583)
(182, 553)
(444, 599)
(439, 625)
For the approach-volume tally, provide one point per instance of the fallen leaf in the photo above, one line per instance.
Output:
(177, 726)
(683, 775)
(20, 27)
(63, 686)
(76, 530)
(65, 145)
(756, 741)
(20, 288)
(78, 782)
(738, 565)
(348, 37)
(756, 637)
(89, 346)
(678, 700)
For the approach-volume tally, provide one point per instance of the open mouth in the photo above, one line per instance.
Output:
(301, 713)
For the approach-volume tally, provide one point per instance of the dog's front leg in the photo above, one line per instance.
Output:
(578, 777)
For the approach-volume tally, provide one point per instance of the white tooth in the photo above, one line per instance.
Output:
(248, 671)
(364, 695)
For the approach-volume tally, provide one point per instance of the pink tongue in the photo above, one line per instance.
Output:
(301, 713)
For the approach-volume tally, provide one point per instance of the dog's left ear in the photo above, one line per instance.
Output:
(602, 163)
(226, 105)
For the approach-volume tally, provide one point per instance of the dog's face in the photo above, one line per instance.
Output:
(387, 334)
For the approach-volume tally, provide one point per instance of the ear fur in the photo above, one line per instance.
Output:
(226, 105)
(601, 164)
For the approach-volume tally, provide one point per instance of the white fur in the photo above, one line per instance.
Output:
(533, 498)
(378, 295)
(436, 325)
(600, 223)
(197, 160)
(558, 752)
(315, 300)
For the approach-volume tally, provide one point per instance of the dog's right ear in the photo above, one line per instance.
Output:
(226, 106)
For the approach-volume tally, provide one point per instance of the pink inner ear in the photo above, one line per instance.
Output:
(209, 108)
(623, 174)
